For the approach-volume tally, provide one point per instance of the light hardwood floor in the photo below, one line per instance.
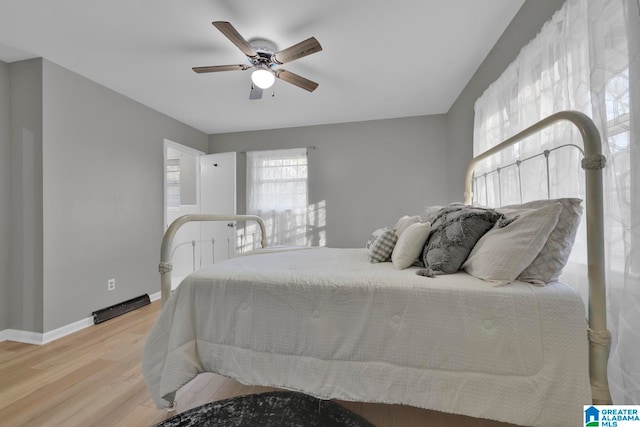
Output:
(93, 378)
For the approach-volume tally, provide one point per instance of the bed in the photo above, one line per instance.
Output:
(332, 324)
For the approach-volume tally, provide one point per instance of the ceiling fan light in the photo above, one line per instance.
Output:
(263, 78)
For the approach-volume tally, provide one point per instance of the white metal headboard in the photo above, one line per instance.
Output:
(593, 162)
(517, 164)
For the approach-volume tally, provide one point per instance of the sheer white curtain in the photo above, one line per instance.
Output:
(277, 192)
(586, 58)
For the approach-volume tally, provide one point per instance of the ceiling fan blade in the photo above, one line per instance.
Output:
(256, 92)
(297, 80)
(215, 68)
(235, 38)
(297, 51)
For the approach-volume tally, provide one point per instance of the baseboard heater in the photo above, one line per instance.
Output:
(116, 310)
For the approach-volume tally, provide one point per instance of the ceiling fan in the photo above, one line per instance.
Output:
(263, 58)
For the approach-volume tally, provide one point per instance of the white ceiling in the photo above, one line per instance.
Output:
(380, 59)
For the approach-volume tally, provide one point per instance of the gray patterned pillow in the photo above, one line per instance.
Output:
(375, 235)
(548, 265)
(381, 248)
(455, 230)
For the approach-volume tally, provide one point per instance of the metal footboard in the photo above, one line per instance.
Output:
(166, 266)
(593, 162)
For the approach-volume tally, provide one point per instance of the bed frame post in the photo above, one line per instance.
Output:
(165, 266)
(592, 163)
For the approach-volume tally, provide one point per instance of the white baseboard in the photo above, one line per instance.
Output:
(66, 330)
(37, 338)
(28, 337)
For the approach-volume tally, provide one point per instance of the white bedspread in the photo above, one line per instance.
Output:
(331, 324)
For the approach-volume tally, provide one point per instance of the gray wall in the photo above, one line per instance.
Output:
(525, 25)
(85, 174)
(25, 293)
(366, 174)
(103, 201)
(5, 195)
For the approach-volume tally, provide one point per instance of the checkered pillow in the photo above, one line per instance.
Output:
(375, 235)
(381, 248)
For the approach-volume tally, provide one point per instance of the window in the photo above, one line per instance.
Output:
(586, 58)
(277, 191)
(580, 63)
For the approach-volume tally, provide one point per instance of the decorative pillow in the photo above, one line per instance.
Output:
(515, 241)
(381, 249)
(375, 235)
(410, 244)
(404, 222)
(455, 230)
(549, 263)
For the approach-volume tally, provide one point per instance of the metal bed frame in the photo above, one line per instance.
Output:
(592, 162)
(165, 267)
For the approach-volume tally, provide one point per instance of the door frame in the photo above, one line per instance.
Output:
(167, 143)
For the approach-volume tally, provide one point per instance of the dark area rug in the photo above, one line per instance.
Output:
(279, 408)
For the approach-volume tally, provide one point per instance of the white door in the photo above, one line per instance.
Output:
(217, 196)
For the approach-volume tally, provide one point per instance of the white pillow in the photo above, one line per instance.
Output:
(512, 244)
(409, 245)
(549, 263)
(404, 222)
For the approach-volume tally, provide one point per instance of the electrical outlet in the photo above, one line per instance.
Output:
(111, 284)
